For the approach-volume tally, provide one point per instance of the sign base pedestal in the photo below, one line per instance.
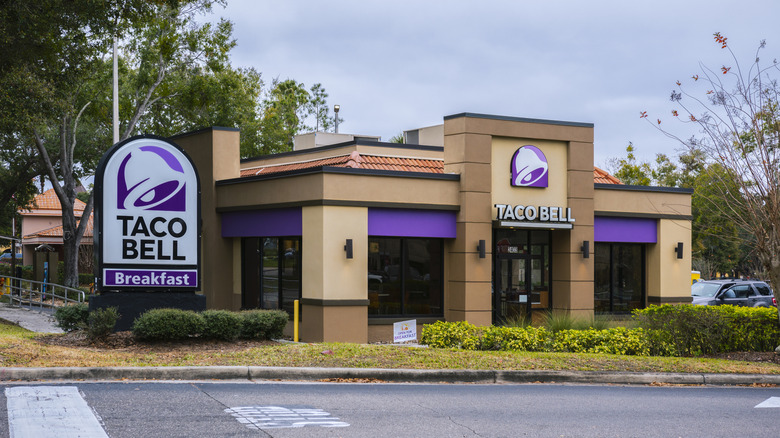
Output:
(132, 304)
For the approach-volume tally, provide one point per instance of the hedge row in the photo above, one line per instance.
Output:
(688, 330)
(668, 330)
(619, 340)
(174, 324)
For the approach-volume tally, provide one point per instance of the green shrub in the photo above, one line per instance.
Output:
(101, 322)
(168, 324)
(751, 328)
(72, 317)
(618, 340)
(221, 324)
(446, 334)
(517, 338)
(688, 330)
(263, 324)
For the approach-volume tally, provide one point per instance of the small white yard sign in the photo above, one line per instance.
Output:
(405, 331)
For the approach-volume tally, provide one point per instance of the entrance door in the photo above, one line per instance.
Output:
(512, 289)
(521, 275)
(521, 287)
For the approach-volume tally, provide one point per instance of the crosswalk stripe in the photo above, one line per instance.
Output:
(771, 402)
(50, 411)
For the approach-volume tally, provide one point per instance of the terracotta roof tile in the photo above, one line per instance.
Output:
(48, 201)
(602, 177)
(376, 162)
(358, 161)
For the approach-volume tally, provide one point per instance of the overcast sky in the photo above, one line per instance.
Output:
(399, 65)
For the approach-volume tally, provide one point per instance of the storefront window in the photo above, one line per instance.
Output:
(619, 277)
(404, 276)
(271, 272)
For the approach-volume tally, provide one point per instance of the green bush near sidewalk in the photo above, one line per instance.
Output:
(72, 317)
(667, 330)
(688, 330)
(221, 324)
(619, 340)
(175, 324)
(168, 325)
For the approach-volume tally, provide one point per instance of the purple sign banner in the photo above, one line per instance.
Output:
(625, 229)
(411, 223)
(151, 278)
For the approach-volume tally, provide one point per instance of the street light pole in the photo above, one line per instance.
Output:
(336, 109)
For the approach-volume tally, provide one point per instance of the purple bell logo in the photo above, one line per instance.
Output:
(151, 178)
(529, 167)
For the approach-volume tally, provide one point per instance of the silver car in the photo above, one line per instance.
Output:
(748, 293)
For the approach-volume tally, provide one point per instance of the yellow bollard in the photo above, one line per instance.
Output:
(295, 320)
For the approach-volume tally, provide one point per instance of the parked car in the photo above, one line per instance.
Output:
(6, 257)
(748, 293)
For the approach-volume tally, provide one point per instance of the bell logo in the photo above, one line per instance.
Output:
(529, 167)
(151, 178)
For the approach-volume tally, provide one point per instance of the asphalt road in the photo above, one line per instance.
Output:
(238, 409)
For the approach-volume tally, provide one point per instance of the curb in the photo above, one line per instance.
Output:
(377, 375)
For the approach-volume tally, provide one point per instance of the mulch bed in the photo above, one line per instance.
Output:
(750, 356)
(124, 341)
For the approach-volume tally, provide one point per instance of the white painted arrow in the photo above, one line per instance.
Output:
(771, 402)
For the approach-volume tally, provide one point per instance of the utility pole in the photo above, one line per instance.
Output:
(116, 97)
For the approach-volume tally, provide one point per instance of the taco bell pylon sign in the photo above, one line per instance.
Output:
(147, 214)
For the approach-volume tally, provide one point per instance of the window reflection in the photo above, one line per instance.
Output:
(619, 274)
(404, 276)
(271, 272)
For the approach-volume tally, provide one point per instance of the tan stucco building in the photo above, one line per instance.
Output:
(483, 218)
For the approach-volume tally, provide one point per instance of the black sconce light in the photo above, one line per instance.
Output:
(348, 248)
(585, 248)
(679, 250)
(481, 249)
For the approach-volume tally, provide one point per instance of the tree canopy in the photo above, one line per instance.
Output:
(175, 76)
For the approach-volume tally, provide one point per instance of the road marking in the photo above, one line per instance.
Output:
(50, 411)
(771, 402)
(276, 417)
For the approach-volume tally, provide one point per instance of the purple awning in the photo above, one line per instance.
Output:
(411, 223)
(625, 229)
(262, 223)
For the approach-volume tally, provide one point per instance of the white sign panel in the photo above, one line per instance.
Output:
(148, 216)
(405, 331)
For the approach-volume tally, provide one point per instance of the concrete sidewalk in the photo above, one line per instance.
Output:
(33, 320)
(43, 322)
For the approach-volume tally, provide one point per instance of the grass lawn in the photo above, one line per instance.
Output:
(22, 348)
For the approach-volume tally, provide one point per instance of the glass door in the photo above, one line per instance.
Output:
(521, 276)
(513, 292)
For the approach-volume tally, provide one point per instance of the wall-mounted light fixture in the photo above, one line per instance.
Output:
(481, 249)
(348, 248)
(679, 250)
(585, 248)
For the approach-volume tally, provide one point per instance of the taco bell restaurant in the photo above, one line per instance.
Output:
(482, 218)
